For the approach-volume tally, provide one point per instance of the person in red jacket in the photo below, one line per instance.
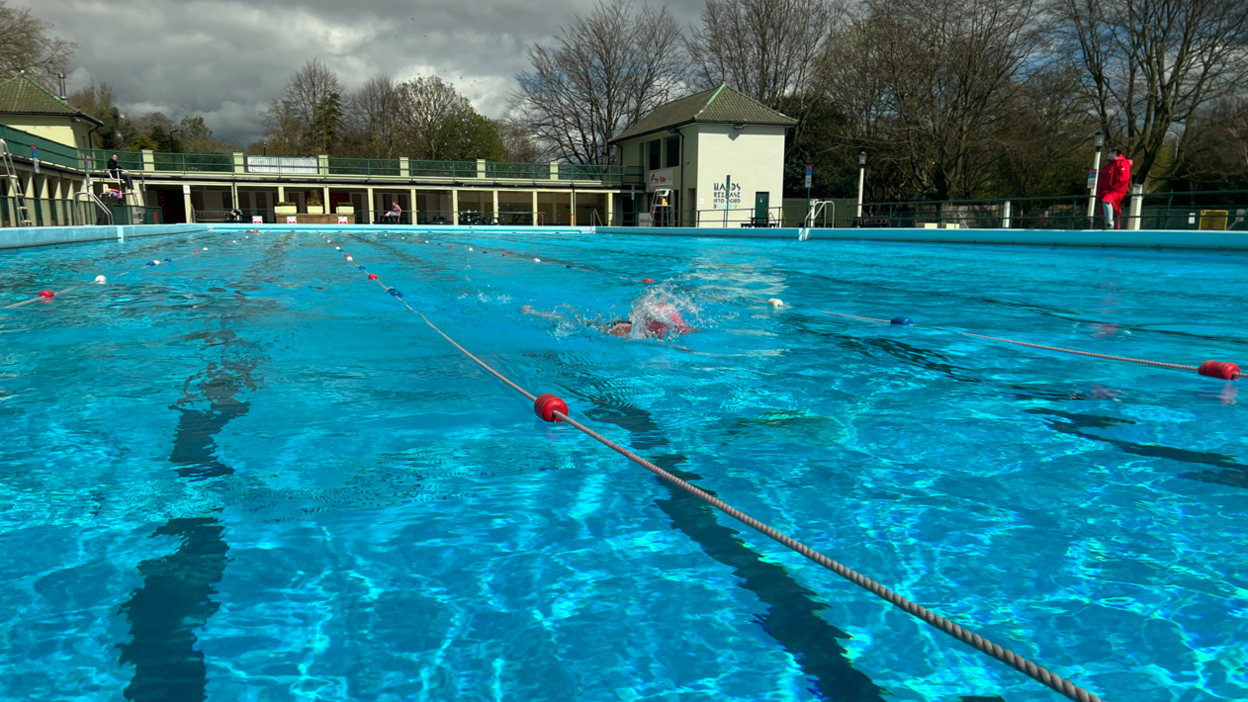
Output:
(1112, 186)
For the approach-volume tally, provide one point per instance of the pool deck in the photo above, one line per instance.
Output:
(1169, 239)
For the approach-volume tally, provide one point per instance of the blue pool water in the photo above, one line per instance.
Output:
(250, 474)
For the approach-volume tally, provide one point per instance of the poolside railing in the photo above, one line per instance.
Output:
(1211, 209)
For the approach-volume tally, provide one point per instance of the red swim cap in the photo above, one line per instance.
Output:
(658, 328)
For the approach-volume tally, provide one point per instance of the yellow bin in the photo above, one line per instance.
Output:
(1213, 219)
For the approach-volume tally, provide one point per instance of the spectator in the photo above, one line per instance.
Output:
(393, 216)
(1112, 186)
(235, 215)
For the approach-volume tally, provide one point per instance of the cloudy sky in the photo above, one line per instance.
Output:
(229, 60)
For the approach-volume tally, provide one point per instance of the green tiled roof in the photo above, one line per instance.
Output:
(24, 96)
(722, 105)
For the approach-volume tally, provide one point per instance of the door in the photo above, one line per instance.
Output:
(762, 201)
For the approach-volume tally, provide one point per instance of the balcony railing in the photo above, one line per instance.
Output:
(317, 167)
(20, 144)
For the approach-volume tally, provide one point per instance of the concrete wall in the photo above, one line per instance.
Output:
(61, 129)
(47, 236)
(753, 157)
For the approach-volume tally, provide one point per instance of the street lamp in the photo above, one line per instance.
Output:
(264, 145)
(862, 178)
(1094, 177)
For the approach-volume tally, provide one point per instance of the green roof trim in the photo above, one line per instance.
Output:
(717, 92)
(722, 105)
(24, 96)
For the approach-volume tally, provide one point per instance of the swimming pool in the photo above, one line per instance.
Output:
(249, 473)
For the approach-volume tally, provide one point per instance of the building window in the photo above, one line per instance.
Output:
(673, 152)
(654, 155)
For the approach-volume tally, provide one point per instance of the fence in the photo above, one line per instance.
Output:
(741, 217)
(1220, 209)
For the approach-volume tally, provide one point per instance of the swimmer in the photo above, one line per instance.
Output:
(623, 328)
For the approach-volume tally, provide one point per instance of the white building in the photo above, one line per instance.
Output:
(713, 159)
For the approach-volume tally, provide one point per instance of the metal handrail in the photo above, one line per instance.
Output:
(98, 203)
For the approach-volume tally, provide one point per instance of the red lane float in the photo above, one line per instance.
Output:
(547, 404)
(1220, 369)
(47, 294)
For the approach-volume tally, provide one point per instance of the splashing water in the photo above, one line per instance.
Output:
(664, 313)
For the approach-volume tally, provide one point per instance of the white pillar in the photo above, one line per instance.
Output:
(862, 180)
(1005, 215)
(371, 205)
(190, 208)
(455, 207)
(496, 206)
(1096, 170)
(572, 208)
(610, 209)
(535, 212)
(1137, 206)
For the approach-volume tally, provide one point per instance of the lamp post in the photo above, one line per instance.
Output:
(862, 178)
(1094, 180)
(264, 148)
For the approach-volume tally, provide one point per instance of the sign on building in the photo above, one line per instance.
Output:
(661, 180)
(302, 165)
(726, 195)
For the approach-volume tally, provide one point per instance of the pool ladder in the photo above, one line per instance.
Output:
(15, 186)
(91, 196)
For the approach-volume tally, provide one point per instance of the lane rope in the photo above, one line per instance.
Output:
(103, 280)
(553, 409)
(1213, 369)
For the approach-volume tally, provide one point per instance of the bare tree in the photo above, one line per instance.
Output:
(374, 117)
(764, 48)
(427, 108)
(608, 70)
(26, 44)
(934, 79)
(520, 144)
(98, 101)
(1153, 64)
(309, 114)
(283, 134)
(1042, 135)
(1215, 148)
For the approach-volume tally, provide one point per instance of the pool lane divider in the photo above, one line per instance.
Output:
(517, 257)
(551, 408)
(49, 295)
(1222, 370)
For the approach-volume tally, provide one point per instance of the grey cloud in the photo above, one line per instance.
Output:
(229, 60)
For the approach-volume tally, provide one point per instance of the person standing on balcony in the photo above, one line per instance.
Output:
(1112, 186)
